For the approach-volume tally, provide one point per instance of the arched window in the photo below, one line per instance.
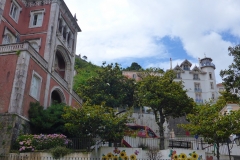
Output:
(65, 32)
(60, 25)
(7, 39)
(59, 64)
(69, 40)
(57, 96)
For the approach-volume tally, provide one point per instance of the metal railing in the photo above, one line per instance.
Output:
(199, 101)
(197, 89)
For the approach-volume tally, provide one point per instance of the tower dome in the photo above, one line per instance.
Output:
(206, 62)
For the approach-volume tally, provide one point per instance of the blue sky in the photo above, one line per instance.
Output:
(152, 32)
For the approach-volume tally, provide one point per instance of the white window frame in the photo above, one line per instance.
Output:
(14, 3)
(7, 39)
(35, 75)
(32, 14)
(10, 35)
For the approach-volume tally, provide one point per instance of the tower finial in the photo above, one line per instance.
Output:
(204, 54)
(75, 17)
(170, 63)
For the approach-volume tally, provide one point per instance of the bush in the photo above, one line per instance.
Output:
(59, 151)
(40, 142)
(25, 143)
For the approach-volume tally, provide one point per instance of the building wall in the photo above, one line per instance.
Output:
(29, 60)
(27, 97)
(6, 80)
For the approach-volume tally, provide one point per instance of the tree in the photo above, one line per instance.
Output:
(96, 121)
(215, 128)
(84, 57)
(166, 97)
(47, 121)
(108, 88)
(231, 76)
(134, 67)
(228, 97)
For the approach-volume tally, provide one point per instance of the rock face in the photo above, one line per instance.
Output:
(11, 125)
(172, 125)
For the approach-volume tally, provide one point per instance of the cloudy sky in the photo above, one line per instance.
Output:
(150, 32)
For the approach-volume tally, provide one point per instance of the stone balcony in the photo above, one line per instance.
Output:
(25, 46)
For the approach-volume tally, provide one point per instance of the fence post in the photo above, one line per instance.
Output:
(201, 144)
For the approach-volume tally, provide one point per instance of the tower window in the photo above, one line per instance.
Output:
(59, 64)
(14, 11)
(210, 75)
(211, 84)
(36, 18)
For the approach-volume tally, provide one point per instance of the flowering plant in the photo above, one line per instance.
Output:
(40, 142)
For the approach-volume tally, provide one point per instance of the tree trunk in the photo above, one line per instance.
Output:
(160, 121)
(217, 148)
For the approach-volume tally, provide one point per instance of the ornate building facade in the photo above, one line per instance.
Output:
(199, 81)
(37, 54)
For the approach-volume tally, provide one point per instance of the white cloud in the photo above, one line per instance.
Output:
(115, 30)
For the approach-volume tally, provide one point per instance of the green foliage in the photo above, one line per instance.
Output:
(18, 52)
(47, 121)
(165, 96)
(96, 121)
(231, 76)
(228, 97)
(85, 70)
(108, 88)
(134, 67)
(207, 121)
(59, 151)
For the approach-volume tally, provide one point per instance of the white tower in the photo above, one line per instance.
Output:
(209, 89)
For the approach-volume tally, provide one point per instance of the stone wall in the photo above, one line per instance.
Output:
(11, 125)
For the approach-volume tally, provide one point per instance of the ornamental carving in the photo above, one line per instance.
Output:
(37, 3)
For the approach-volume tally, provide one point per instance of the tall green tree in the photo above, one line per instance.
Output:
(166, 97)
(231, 76)
(96, 121)
(109, 87)
(134, 67)
(207, 121)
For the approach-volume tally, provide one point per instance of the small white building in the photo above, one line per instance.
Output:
(199, 81)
